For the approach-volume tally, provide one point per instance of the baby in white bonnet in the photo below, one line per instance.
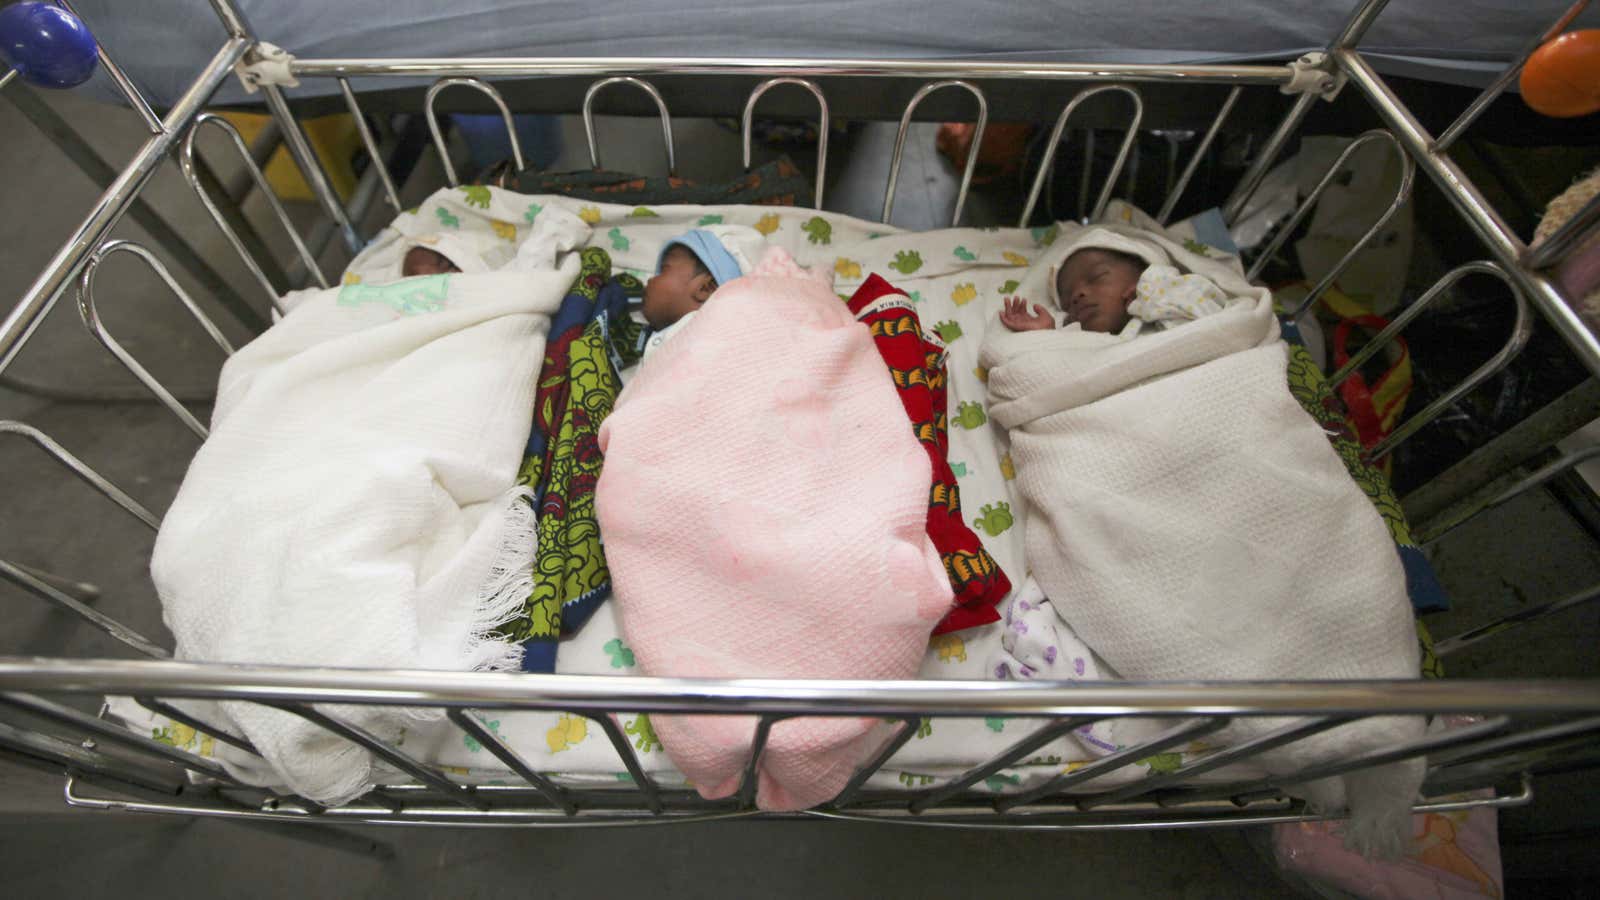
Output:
(1106, 288)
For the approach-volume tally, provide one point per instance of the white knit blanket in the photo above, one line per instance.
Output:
(1190, 521)
(355, 504)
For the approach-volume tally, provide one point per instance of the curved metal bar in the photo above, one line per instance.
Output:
(972, 154)
(481, 87)
(1399, 322)
(661, 106)
(1055, 139)
(85, 474)
(371, 144)
(822, 130)
(1182, 183)
(1520, 332)
(191, 172)
(29, 580)
(91, 321)
(1408, 172)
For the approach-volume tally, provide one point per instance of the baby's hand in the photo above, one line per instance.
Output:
(1015, 316)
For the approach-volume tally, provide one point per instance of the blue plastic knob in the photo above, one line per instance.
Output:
(47, 45)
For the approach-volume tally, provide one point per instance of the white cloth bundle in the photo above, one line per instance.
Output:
(355, 504)
(1189, 521)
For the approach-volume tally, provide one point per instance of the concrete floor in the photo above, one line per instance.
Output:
(1522, 553)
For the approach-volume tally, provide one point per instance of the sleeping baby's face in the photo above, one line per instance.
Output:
(422, 261)
(1095, 287)
(678, 289)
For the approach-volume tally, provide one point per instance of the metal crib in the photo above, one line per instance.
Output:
(1525, 725)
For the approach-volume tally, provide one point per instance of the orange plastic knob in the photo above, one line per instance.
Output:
(1562, 78)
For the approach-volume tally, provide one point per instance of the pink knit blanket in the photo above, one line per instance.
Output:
(763, 505)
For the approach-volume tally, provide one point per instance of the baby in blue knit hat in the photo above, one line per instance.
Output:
(690, 269)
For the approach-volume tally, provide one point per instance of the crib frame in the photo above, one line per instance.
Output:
(1527, 726)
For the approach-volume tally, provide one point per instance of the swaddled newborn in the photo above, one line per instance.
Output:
(690, 269)
(1106, 290)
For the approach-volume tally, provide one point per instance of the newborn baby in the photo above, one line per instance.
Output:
(422, 261)
(690, 269)
(1104, 290)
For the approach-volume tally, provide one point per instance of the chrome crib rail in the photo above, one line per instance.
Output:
(1517, 716)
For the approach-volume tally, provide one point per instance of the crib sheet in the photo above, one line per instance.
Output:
(957, 278)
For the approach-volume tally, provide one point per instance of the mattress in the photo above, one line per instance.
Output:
(957, 278)
(163, 43)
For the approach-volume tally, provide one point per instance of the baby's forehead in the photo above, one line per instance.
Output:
(678, 253)
(1086, 257)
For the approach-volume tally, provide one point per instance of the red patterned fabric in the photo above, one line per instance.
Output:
(916, 361)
